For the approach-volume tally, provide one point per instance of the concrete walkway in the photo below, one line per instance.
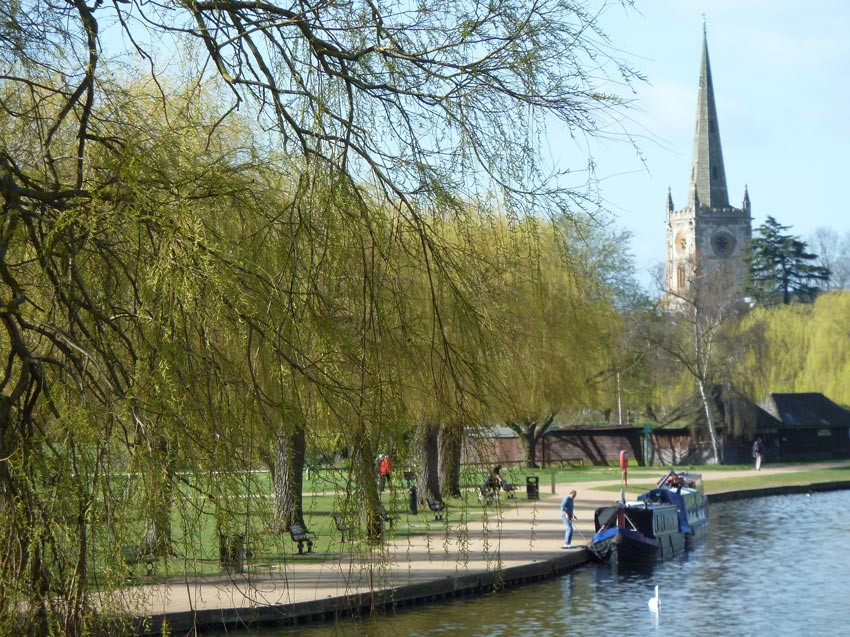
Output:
(518, 540)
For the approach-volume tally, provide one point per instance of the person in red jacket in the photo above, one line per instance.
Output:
(624, 465)
(385, 471)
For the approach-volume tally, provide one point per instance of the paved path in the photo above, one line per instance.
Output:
(515, 533)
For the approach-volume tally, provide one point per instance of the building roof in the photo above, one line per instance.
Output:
(734, 413)
(708, 176)
(806, 410)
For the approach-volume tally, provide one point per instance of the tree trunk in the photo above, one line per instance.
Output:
(290, 447)
(366, 477)
(530, 445)
(427, 473)
(158, 535)
(451, 446)
(529, 432)
(710, 421)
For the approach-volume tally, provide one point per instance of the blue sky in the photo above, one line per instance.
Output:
(780, 71)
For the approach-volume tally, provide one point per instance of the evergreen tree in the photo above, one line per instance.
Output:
(781, 269)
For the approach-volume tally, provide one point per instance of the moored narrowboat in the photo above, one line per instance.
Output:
(656, 527)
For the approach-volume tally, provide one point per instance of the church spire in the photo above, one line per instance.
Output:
(708, 177)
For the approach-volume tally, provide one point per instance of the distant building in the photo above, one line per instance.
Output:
(708, 233)
(813, 427)
(793, 427)
(682, 437)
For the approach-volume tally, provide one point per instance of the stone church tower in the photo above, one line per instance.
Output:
(707, 233)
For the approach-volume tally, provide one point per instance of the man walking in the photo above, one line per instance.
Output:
(567, 507)
(758, 453)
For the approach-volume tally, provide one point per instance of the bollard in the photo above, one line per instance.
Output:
(414, 500)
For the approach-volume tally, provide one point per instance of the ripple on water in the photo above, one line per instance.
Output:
(775, 566)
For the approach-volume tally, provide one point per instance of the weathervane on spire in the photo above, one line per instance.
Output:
(704, 28)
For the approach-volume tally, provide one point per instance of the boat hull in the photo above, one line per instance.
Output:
(623, 545)
(661, 524)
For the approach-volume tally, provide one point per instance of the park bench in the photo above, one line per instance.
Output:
(385, 515)
(436, 507)
(341, 526)
(139, 554)
(485, 494)
(300, 534)
(509, 489)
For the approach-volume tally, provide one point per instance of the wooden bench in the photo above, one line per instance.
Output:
(300, 534)
(510, 489)
(341, 526)
(436, 507)
(485, 494)
(386, 516)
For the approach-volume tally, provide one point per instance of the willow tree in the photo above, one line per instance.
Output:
(331, 341)
(105, 268)
(556, 336)
(446, 338)
(798, 348)
(114, 278)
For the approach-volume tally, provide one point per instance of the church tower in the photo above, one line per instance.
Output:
(707, 234)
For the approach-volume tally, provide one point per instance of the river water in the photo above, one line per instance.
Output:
(771, 566)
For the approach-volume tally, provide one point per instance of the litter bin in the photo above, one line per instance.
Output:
(231, 552)
(532, 487)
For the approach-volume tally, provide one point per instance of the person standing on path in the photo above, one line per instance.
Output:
(624, 465)
(567, 515)
(385, 471)
(758, 453)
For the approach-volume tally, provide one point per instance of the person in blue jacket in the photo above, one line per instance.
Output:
(567, 515)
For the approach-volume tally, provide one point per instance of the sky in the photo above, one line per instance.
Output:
(781, 74)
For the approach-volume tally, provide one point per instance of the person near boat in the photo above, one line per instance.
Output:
(568, 515)
(624, 465)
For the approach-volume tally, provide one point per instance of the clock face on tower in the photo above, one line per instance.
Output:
(723, 244)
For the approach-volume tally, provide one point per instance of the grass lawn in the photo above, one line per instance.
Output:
(194, 526)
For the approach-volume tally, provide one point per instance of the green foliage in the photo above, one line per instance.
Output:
(799, 348)
(188, 293)
(780, 268)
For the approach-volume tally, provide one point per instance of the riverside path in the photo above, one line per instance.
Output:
(517, 540)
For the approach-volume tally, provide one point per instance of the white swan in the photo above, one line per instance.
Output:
(653, 601)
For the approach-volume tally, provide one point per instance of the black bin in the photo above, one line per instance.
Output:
(532, 487)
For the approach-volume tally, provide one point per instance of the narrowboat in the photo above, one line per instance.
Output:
(659, 525)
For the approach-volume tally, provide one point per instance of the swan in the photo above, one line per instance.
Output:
(653, 601)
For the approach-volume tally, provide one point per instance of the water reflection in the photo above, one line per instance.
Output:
(772, 566)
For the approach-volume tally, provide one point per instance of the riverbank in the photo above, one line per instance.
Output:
(517, 542)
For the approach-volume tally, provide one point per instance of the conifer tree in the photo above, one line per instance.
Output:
(781, 269)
